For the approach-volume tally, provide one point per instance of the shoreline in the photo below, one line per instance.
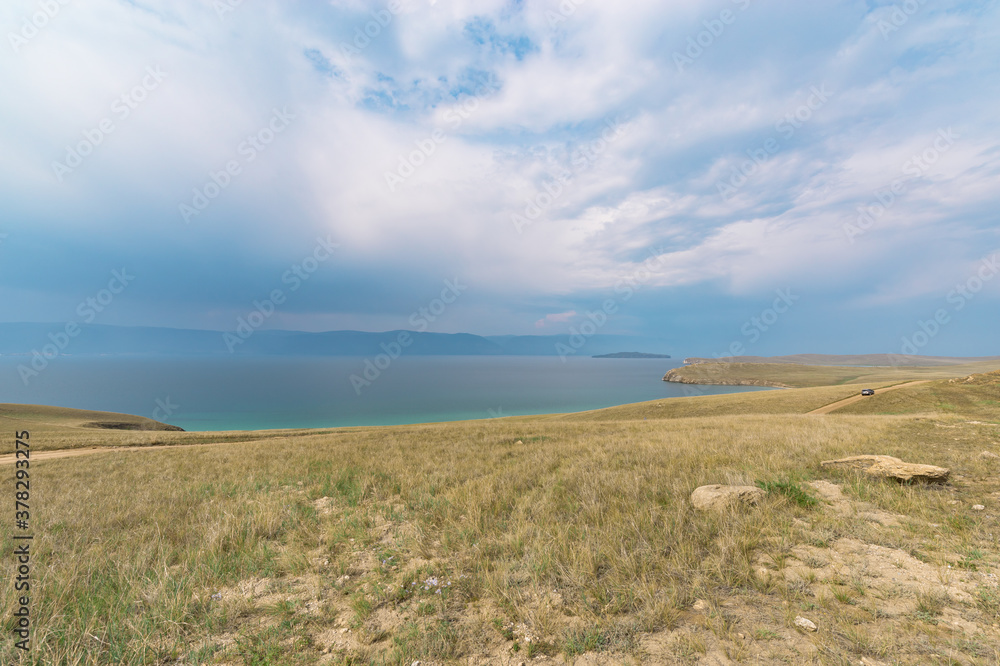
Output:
(673, 376)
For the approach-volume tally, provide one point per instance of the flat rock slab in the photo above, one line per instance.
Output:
(887, 467)
(715, 496)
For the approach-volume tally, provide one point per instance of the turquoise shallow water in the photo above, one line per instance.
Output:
(234, 393)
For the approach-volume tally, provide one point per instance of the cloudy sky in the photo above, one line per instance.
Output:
(783, 176)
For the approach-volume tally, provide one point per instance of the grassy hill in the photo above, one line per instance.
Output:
(60, 428)
(861, 360)
(552, 539)
(42, 416)
(795, 375)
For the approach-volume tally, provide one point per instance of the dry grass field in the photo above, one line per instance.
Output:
(550, 539)
(794, 375)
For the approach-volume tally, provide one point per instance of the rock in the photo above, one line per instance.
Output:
(887, 467)
(978, 507)
(803, 623)
(700, 605)
(989, 455)
(718, 496)
(831, 492)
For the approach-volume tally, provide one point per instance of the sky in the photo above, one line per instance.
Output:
(733, 176)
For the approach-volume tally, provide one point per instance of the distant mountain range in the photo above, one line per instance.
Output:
(94, 339)
(632, 355)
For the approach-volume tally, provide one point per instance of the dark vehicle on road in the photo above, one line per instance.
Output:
(867, 391)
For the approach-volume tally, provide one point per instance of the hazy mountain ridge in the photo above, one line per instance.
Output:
(93, 339)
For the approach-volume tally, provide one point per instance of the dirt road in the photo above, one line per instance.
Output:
(833, 406)
(72, 453)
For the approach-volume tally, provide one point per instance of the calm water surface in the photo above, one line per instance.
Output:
(304, 392)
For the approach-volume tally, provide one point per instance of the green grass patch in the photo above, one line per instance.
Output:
(261, 648)
(584, 640)
(430, 640)
(790, 489)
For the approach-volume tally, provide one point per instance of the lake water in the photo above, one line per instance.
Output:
(304, 392)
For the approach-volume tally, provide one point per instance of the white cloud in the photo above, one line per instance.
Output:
(655, 186)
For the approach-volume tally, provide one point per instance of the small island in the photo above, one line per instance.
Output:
(632, 355)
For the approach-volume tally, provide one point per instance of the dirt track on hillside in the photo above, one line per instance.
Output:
(36, 456)
(833, 406)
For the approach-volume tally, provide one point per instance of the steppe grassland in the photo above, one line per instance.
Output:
(556, 536)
